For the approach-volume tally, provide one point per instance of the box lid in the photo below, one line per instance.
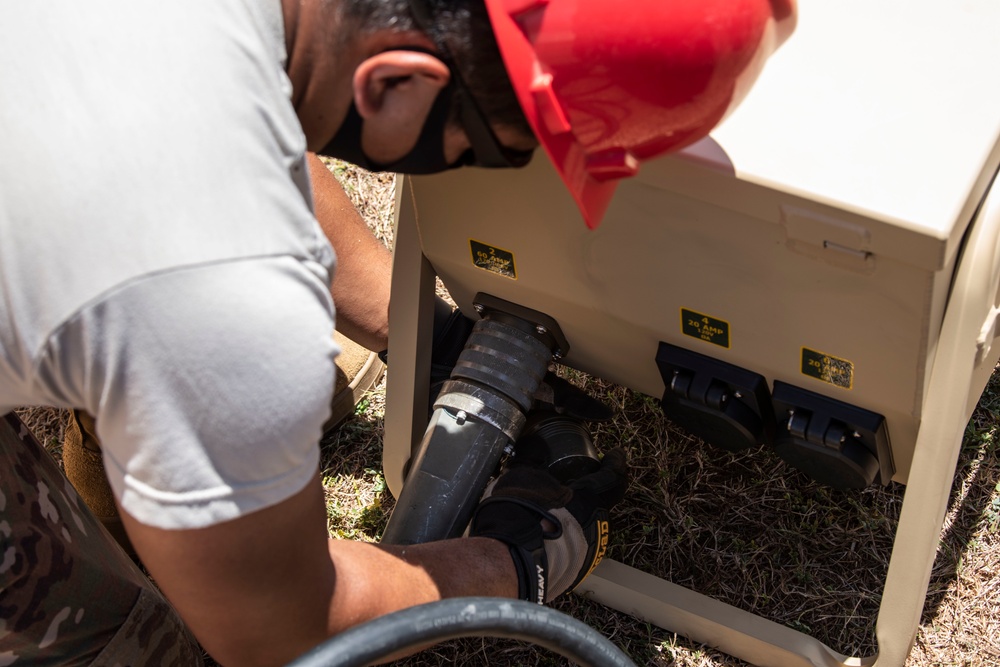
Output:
(886, 108)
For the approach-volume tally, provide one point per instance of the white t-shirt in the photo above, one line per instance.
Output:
(160, 264)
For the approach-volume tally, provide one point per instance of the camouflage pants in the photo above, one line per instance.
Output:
(68, 594)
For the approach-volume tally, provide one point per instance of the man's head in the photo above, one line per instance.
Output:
(454, 71)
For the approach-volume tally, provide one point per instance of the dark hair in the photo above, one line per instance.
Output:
(462, 28)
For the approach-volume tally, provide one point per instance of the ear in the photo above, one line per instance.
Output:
(393, 92)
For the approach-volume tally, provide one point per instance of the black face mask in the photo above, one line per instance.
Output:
(427, 156)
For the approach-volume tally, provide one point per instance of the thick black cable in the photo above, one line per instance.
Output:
(436, 622)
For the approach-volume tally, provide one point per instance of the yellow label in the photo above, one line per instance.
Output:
(701, 326)
(602, 545)
(493, 259)
(828, 368)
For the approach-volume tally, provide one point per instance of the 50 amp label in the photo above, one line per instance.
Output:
(493, 259)
(701, 326)
(833, 370)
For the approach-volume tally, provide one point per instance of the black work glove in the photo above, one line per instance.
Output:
(557, 533)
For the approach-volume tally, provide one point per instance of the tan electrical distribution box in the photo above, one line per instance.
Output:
(836, 237)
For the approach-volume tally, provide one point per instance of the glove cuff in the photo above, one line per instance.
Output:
(532, 568)
(517, 523)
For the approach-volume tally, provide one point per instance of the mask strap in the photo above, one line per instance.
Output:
(488, 150)
(427, 155)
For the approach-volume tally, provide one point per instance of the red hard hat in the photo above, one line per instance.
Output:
(606, 84)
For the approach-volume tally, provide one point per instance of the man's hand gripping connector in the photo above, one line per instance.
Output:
(557, 533)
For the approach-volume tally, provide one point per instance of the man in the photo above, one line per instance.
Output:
(161, 268)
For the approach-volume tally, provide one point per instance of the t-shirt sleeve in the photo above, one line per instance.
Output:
(210, 385)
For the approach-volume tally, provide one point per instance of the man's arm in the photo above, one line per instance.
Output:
(362, 279)
(266, 587)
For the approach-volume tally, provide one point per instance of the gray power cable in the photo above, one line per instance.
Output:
(466, 617)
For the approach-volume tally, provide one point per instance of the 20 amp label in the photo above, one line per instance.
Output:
(833, 370)
(701, 326)
(493, 259)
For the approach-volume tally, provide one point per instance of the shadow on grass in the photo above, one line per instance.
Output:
(973, 513)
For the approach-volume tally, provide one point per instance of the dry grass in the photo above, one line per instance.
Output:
(742, 528)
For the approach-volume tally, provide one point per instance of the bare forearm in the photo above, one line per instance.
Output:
(264, 588)
(406, 576)
(361, 283)
(388, 578)
(460, 567)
